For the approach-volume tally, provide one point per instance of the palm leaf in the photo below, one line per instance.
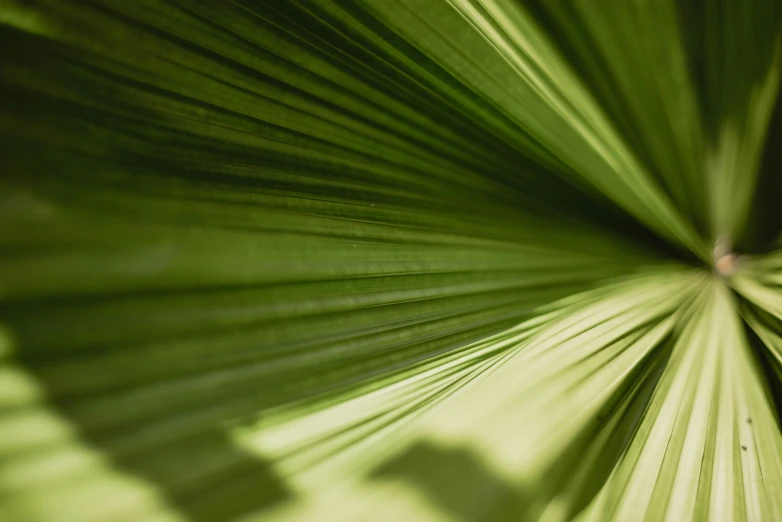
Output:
(386, 260)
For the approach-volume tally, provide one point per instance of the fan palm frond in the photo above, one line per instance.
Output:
(390, 260)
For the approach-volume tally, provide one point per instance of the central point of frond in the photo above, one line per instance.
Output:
(724, 261)
(726, 265)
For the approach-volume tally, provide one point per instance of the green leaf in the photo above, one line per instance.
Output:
(389, 260)
(709, 447)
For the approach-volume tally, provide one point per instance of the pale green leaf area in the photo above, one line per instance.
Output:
(390, 260)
